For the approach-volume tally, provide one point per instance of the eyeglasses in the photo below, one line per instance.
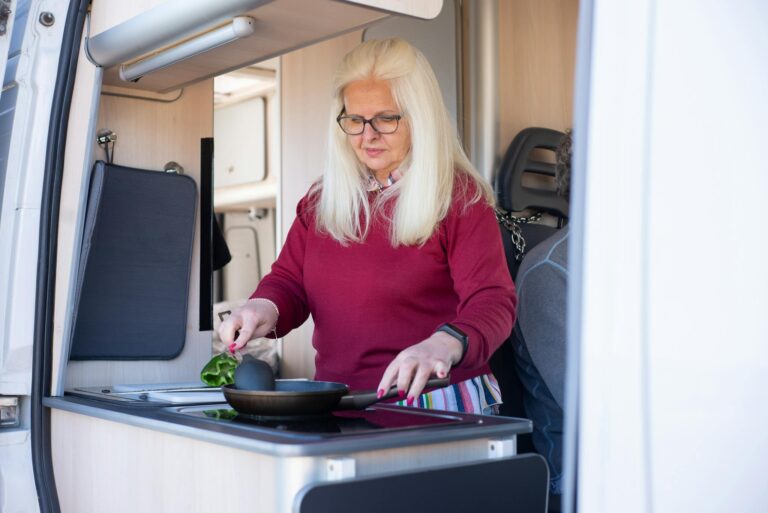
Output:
(355, 125)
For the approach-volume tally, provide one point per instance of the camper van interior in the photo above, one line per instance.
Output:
(149, 185)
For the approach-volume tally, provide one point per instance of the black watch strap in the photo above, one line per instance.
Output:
(458, 335)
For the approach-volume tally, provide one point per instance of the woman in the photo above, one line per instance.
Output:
(395, 251)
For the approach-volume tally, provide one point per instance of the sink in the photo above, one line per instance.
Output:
(155, 394)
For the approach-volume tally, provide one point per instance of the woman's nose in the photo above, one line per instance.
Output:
(369, 133)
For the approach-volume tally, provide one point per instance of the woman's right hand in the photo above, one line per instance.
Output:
(252, 320)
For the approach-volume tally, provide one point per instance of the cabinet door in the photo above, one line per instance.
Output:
(243, 273)
(239, 132)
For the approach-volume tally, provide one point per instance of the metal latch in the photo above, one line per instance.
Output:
(502, 448)
(9, 411)
(5, 14)
(340, 468)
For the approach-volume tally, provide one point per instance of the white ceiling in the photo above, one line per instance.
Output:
(255, 80)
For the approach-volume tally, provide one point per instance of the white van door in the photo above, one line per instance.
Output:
(30, 43)
(17, 485)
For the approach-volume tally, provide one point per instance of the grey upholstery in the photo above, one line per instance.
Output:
(133, 280)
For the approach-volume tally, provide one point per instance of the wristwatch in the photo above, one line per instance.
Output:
(458, 335)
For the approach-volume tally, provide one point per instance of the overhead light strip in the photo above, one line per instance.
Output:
(167, 23)
(240, 27)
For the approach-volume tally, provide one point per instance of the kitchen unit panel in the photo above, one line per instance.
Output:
(167, 460)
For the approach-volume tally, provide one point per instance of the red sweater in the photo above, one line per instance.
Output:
(369, 300)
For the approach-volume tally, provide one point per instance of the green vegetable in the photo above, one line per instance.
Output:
(221, 414)
(219, 371)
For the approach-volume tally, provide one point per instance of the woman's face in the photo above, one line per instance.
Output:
(381, 153)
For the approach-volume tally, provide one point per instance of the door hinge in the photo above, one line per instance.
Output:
(9, 411)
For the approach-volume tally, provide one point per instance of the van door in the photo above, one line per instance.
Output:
(31, 33)
(17, 485)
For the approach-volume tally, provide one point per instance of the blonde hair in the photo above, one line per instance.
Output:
(423, 194)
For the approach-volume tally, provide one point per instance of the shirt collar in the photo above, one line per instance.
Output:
(374, 185)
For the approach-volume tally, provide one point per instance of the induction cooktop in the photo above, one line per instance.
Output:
(371, 420)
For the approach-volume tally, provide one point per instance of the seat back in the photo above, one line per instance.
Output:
(514, 485)
(135, 264)
(514, 197)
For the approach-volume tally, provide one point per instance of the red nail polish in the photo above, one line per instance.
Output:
(401, 393)
(410, 401)
(380, 393)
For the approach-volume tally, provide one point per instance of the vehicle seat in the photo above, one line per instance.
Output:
(515, 196)
(516, 485)
(522, 160)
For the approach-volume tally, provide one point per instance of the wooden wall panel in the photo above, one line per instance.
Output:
(111, 467)
(305, 95)
(149, 134)
(537, 50)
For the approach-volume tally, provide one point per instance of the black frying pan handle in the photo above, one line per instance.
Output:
(360, 400)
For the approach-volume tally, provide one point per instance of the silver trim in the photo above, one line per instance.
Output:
(483, 111)
(581, 95)
(168, 22)
(238, 28)
(162, 419)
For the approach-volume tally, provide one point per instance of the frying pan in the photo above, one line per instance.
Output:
(292, 397)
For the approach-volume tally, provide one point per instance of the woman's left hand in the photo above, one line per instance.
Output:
(412, 368)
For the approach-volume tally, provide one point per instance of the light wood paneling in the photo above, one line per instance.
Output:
(105, 14)
(108, 467)
(102, 466)
(537, 50)
(149, 134)
(76, 164)
(305, 94)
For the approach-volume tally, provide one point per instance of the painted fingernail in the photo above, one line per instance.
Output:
(232, 348)
(441, 374)
(401, 393)
(380, 393)
(410, 401)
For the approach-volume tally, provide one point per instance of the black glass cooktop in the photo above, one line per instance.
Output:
(375, 419)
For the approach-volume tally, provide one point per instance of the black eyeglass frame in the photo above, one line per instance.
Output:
(396, 117)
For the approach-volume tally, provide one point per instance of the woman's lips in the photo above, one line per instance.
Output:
(373, 152)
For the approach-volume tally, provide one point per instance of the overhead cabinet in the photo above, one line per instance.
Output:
(179, 42)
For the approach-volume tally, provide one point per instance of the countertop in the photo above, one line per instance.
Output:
(271, 441)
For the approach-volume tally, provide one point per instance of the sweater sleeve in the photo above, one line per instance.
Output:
(543, 296)
(284, 285)
(487, 300)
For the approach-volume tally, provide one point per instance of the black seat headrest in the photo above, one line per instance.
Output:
(513, 196)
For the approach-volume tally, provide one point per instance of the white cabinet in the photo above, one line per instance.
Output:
(239, 132)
